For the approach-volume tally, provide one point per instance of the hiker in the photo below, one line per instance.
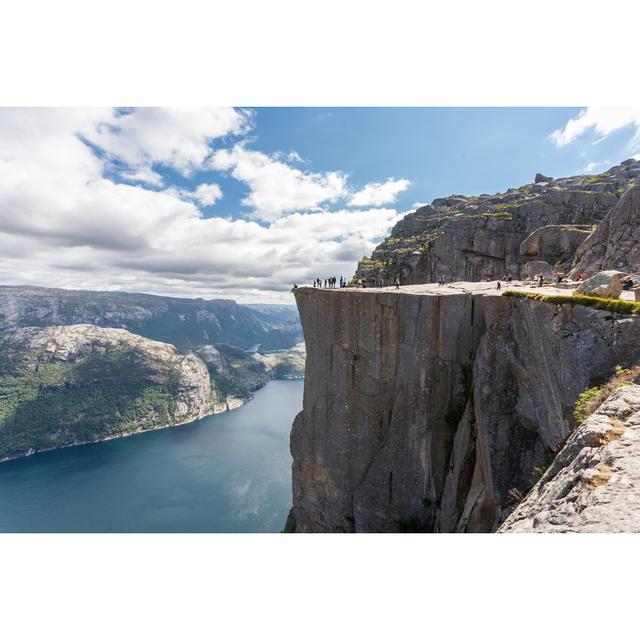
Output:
(397, 282)
(627, 283)
(498, 286)
(540, 280)
(295, 286)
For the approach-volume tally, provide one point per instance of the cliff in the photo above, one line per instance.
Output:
(432, 408)
(615, 244)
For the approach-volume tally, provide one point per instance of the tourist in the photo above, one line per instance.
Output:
(540, 280)
(498, 286)
(627, 283)
(397, 282)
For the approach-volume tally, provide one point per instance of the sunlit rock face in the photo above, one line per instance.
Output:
(472, 238)
(428, 409)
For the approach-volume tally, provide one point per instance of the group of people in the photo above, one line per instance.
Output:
(330, 283)
(378, 282)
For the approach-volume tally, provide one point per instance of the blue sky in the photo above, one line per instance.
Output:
(439, 150)
(240, 203)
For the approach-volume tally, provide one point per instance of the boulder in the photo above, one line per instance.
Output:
(554, 243)
(534, 267)
(540, 177)
(606, 284)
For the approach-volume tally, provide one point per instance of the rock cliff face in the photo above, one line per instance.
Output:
(593, 484)
(475, 237)
(430, 408)
(79, 383)
(615, 244)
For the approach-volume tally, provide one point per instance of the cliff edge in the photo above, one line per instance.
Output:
(434, 408)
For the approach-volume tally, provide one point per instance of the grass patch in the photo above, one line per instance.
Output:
(604, 304)
(590, 399)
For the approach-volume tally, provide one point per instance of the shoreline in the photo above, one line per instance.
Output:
(237, 403)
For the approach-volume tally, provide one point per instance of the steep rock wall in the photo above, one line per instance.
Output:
(425, 409)
(594, 483)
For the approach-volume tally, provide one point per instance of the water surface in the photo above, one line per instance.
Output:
(229, 472)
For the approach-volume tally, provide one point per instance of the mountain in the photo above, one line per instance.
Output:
(79, 383)
(79, 366)
(465, 408)
(183, 322)
(481, 237)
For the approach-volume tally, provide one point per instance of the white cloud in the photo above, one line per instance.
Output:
(275, 187)
(207, 194)
(378, 193)
(63, 223)
(596, 167)
(174, 137)
(601, 120)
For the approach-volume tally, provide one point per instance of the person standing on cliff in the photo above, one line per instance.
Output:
(498, 286)
(397, 282)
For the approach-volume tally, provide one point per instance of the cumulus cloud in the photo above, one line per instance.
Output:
(601, 120)
(207, 194)
(275, 187)
(66, 220)
(376, 194)
(174, 137)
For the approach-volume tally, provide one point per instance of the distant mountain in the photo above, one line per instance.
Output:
(184, 322)
(79, 366)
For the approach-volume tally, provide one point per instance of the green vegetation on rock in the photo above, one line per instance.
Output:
(50, 404)
(604, 304)
(590, 399)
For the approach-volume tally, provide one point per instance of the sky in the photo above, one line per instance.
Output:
(243, 202)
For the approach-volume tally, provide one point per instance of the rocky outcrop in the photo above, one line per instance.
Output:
(606, 284)
(615, 244)
(593, 485)
(79, 383)
(540, 177)
(430, 408)
(471, 238)
(555, 244)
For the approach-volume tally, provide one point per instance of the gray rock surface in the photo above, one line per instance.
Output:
(593, 484)
(615, 244)
(425, 409)
(555, 244)
(470, 238)
(540, 177)
(534, 268)
(606, 284)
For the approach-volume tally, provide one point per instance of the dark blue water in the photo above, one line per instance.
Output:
(230, 472)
